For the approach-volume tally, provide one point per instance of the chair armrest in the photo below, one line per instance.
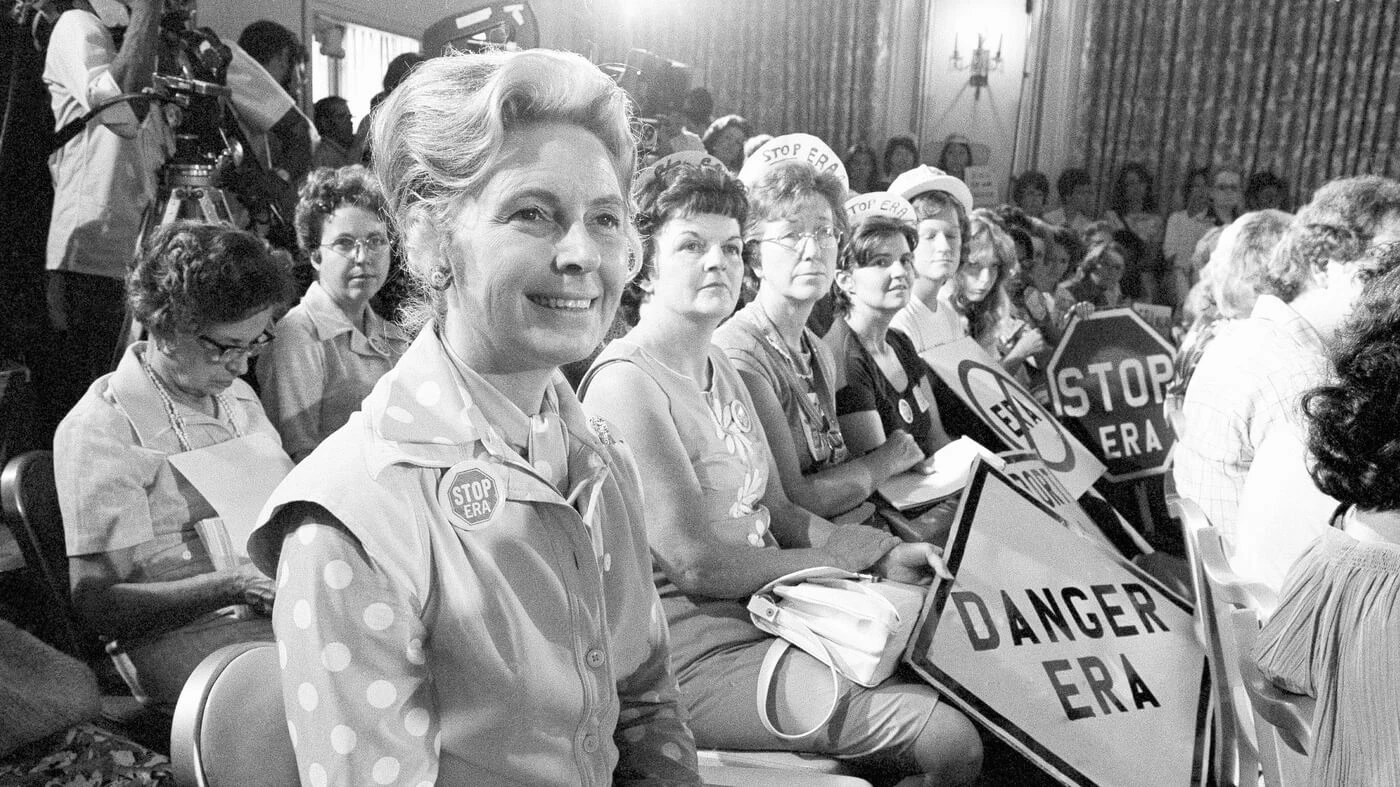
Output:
(1291, 714)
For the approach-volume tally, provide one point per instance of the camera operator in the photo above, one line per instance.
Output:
(107, 177)
(104, 178)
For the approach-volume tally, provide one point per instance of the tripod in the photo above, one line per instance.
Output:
(191, 191)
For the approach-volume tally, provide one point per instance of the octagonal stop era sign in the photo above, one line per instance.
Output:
(1108, 379)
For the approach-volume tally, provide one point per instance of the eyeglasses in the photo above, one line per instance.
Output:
(228, 353)
(824, 237)
(346, 246)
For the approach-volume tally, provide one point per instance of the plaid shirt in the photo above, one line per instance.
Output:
(1252, 374)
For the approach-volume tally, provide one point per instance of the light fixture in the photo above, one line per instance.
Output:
(983, 62)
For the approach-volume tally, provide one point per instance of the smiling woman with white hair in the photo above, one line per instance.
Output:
(466, 583)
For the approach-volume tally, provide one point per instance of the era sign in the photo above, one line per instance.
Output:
(1108, 377)
(1066, 651)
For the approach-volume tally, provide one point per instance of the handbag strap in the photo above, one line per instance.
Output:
(776, 649)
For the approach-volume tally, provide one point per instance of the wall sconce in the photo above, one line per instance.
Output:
(983, 63)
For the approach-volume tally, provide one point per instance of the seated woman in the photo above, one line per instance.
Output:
(331, 348)
(719, 523)
(467, 594)
(1097, 281)
(1133, 209)
(1336, 630)
(976, 295)
(794, 227)
(140, 572)
(887, 388)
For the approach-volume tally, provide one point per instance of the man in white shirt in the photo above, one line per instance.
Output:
(106, 177)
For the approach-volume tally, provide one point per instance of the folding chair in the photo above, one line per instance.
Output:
(29, 502)
(1282, 721)
(1227, 593)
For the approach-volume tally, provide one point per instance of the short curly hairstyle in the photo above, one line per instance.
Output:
(679, 190)
(895, 143)
(1337, 225)
(864, 235)
(191, 276)
(1354, 421)
(327, 190)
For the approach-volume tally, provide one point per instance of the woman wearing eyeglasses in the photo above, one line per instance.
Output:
(140, 457)
(793, 234)
(332, 348)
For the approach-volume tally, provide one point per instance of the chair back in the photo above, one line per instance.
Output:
(1224, 759)
(29, 502)
(1229, 593)
(1282, 721)
(230, 728)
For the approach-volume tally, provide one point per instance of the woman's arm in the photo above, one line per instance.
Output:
(355, 679)
(698, 555)
(292, 381)
(834, 490)
(115, 608)
(653, 742)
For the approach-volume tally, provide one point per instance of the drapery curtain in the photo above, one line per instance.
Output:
(1308, 89)
(367, 54)
(785, 65)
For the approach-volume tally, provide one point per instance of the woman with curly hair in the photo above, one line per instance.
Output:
(139, 570)
(724, 139)
(332, 347)
(1336, 631)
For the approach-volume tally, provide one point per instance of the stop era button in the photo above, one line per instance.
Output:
(471, 493)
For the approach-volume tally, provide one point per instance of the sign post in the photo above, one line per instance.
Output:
(1108, 379)
(1067, 652)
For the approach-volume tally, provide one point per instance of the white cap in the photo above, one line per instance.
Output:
(923, 178)
(879, 203)
(790, 147)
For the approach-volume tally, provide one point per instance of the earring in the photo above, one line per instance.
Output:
(634, 263)
(440, 278)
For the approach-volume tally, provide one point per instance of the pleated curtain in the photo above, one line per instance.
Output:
(785, 65)
(1305, 88)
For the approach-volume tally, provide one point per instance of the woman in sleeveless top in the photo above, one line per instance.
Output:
(719, 523)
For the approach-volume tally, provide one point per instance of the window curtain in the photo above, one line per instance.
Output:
(367, 55)
(1307, 89)
(785, 65)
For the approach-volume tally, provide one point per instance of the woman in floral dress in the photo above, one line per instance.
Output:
(718, 521)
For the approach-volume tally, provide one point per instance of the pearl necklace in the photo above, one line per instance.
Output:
(177, 423)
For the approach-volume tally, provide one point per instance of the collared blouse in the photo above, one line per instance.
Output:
(116, 488)
(480, 617)
(320, 367)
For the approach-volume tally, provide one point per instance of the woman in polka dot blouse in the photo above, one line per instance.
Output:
(465, 591)
(721, 525)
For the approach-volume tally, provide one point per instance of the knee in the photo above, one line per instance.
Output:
(950, 749)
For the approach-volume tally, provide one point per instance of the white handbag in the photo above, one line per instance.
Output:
(856, 624)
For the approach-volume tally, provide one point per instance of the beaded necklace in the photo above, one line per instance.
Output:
(177, 423)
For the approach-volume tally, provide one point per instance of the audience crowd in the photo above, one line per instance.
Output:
(462, 545)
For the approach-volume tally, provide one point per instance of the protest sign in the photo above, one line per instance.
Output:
(1012, 413)
(1107, 380)
(1111, 529)
(982, 182)
(1067, 652)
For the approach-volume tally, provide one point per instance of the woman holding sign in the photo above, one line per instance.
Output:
(143, 457)
(719, 523)
(468, 595)
(796, 221)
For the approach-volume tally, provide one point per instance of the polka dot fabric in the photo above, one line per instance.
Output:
(355, 683)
